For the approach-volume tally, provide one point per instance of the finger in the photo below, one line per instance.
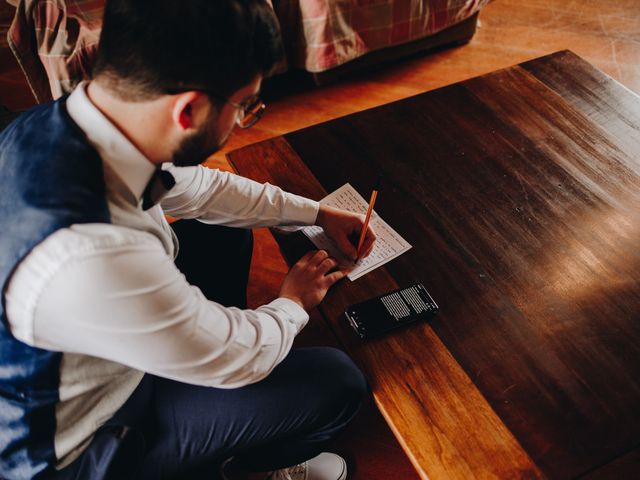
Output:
(371, 233)
(305, 259)
(368, 244)
(319, 257)
(310, 254)
(347, 269)
(326, 265)
(333, 277)
(367, 247)
(346, 247)
(365, 252)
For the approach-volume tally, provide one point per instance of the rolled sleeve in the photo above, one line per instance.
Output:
(291, 310)
(223, 198)
(137, 309)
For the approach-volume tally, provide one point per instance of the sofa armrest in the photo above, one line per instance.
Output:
(55, 43)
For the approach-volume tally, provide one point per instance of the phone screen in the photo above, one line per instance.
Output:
(392, 310)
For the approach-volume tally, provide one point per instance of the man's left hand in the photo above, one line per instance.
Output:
(344, 228)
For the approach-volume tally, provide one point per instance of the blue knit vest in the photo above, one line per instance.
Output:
(50, 178)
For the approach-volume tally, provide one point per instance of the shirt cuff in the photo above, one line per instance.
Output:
(292, 311)
(299, 210)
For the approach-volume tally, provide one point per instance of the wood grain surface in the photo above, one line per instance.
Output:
(520, 191)
(439, 417)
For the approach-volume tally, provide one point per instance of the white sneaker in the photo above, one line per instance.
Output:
(326, 466)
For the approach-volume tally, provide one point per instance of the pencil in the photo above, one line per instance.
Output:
(365, 226)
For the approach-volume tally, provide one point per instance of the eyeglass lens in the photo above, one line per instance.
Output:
(251, 112)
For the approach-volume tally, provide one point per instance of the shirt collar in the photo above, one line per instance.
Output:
(114, 148)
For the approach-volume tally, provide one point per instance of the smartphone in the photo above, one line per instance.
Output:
(392, 310)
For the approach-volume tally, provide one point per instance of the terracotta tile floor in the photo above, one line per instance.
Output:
(606, 33)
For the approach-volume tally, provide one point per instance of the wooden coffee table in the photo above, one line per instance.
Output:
(520, 192)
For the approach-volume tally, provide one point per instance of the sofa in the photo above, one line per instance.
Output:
(54, 41)
(333, 38)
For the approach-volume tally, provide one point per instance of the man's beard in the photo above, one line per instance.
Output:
(198, 147)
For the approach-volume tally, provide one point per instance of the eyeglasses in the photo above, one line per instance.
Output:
(249, 111)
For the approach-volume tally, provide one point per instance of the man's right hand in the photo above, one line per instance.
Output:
(309, 279)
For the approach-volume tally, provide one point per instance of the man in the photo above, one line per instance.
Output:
(116, 362)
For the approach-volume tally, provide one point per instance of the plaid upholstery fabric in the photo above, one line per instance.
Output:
(54, 42)
(322, 34)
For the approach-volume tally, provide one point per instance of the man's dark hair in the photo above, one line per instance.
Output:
(150, 46)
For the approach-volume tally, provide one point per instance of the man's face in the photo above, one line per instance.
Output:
(214, 132)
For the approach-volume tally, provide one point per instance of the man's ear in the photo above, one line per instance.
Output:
(183, 110)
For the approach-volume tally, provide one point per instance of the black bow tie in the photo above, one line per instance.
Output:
(161, 182)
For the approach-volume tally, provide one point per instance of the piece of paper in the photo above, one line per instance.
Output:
(389, 244)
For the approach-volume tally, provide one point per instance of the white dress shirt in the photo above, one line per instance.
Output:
(110, 297)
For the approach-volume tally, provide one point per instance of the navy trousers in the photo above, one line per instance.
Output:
(173, 430)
